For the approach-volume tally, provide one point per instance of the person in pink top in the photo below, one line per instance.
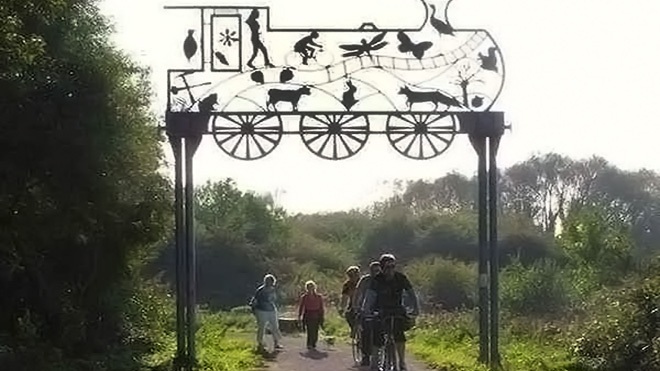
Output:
(311, 313)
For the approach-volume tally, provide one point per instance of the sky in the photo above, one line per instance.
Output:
(582, 79)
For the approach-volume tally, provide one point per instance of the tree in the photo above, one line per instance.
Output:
(238, 236)
(595, 242)
(81, 198)
(394, 232)
(539, 188)
(448, 194)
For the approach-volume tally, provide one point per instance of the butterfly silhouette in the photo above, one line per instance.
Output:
(417, 49)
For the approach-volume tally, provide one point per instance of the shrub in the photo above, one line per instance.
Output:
(540, 288)
(625, 331)
(446, 282)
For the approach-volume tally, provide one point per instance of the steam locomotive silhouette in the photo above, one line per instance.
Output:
(256, 81)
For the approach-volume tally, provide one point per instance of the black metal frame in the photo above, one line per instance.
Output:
(332, 134)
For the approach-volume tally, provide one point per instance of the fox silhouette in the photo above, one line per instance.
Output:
(434, 97)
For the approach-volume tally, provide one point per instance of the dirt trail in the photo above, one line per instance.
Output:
(335, 357)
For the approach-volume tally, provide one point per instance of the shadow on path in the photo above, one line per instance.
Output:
(314, 354)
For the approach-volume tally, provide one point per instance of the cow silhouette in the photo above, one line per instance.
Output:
(287, 95)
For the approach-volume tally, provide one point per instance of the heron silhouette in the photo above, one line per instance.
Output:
(443, 27)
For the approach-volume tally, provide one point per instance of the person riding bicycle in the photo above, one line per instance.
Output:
(347, 307)
(305, 46)
(385, 296)
(365, 322)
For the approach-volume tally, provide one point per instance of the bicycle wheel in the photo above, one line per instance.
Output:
(389, 362)
(356, 346)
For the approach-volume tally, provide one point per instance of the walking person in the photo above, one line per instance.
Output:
(264, 308)
(311, 313)
(257, 45)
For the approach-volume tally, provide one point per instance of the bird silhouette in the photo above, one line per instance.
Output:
(206, 104)
(443, 28)
(348, 98)
(190, 45)
(257, 76)
(489, 62)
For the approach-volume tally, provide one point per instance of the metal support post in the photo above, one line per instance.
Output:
(493, 144)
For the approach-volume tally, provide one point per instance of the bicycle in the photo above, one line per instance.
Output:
(388, 358)
(356, 338)
(320, 58)
(356, 344)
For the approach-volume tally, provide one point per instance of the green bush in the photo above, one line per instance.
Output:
(446, 282)
(217, 351)
(540, 288)
(624, 334)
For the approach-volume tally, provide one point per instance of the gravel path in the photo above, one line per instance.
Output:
(327, 357)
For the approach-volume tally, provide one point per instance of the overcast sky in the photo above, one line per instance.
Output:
(582, 78)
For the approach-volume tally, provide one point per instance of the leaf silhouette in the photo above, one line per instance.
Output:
(221, 57)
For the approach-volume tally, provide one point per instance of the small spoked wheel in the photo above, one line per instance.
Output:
(247, 137)
(421, 136)
(334, 136)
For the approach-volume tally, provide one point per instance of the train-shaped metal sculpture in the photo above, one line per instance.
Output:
(329, 85)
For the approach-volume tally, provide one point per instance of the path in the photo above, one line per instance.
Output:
(337, 357)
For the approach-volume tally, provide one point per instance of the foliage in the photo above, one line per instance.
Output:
(624, 333)
(219, 350)
(444, 283)
(593, 239)
(541, 288)
(83, 202)
(237, 234)
(345, 228)
(447, 342)
(393, 232)
(450, 341)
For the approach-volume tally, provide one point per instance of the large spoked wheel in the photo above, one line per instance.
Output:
(421, 136)
(334, 136)
(356, 346)
(247, 137)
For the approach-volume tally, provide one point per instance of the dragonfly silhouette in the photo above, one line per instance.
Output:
(356, 50)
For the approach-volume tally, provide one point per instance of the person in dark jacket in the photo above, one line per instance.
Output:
(264, 308)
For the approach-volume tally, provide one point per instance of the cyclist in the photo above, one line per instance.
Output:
(346, 307)
(365, 322)
(385, 296)
(306, 46)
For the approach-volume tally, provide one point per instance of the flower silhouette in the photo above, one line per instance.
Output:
(228, 37)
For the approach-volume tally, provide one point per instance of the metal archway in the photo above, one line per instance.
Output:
(332, 83)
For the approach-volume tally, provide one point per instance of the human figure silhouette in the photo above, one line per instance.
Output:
(257, 45)
(306, 46)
